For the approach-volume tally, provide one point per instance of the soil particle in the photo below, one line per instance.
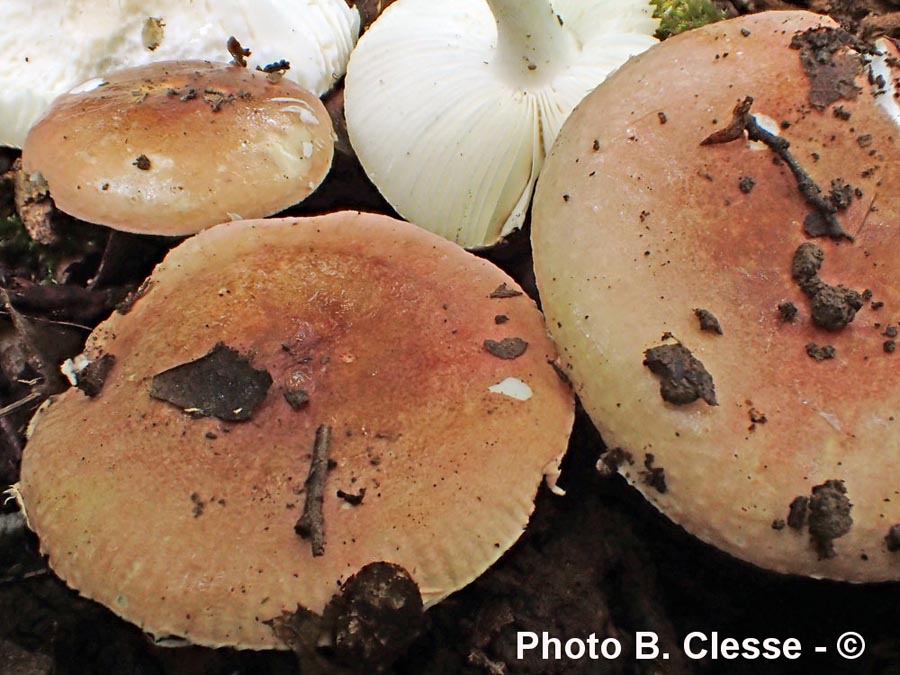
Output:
(561, 373)
(611, 460)
(833, 307)
(683, 378)
(222, 384)
(808, 259)
(890, 332)
(798, 512)
(351, 498)
(841, 113)
(507, 348)
(820, 353)
(756, 417)
(841, 195)
(889, 346)
(829, 515)
(297, 399)
(708, 322)
(892, 539)
(504, 291)
(746, 184)
(142, 162)
(654, 476)
(830, 61)
(500, 319)
(376, 616)
(198, 505)
(787, 311)
(93, 377)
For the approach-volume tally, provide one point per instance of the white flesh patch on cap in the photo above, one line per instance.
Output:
(512, 387)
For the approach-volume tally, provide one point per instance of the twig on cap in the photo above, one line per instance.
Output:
(311, 524)
(742, 121)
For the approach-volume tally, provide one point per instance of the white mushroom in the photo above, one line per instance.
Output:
(451, 106)
(52, 45)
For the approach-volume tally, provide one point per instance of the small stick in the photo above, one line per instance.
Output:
(311, 524)
(12, 407)
(742, 120)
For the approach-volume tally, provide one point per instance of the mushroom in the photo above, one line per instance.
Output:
(686, 195)
(52, 46)
(148, 501)
(450, 109)
(176, 146)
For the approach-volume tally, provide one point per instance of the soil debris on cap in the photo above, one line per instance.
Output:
(824, 220)
(374, 618)
(808, 259)
(351, 498)
(756, 417)
(507, 348)
(787, 311)
(797, 513)
(833, 307)
(829, 515)
(746, 184)
(311, 524)
(654, 476)
(222, 384)
(92, 378)
(611, 460)
(708, 321)
(297, 398)
(832, 60)
(504, 291)
(684, 379)
(892, 539)
(820, 352)
(142, 162)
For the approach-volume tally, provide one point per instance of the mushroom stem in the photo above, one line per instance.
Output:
(532, 42)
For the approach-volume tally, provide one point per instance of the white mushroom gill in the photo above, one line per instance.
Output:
(56, 44)
(452, 106)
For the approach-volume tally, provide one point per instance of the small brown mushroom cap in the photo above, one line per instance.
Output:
(185, 525)
(636, 226)
(177, 146)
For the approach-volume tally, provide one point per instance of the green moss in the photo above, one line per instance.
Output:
(677, 16)
(19, 250)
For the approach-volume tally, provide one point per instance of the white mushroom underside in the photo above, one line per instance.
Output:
(452, 143)
(54, 45)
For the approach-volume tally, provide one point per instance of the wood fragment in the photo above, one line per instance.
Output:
(311, 524)
(743, 121)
